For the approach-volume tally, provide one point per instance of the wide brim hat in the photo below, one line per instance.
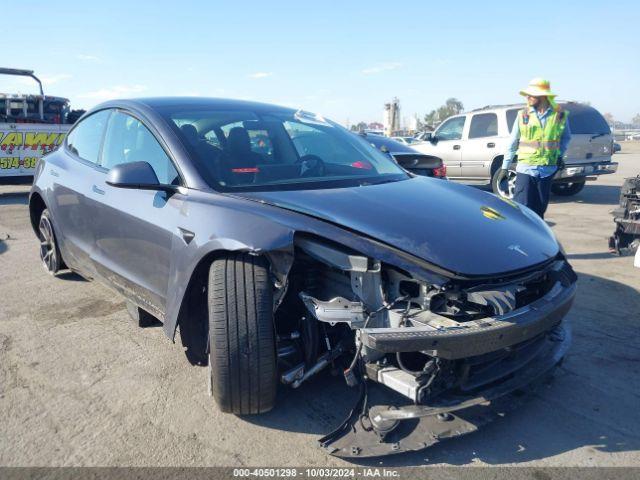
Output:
(538, 87)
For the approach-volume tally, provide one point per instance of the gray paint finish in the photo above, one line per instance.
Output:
(133, 239)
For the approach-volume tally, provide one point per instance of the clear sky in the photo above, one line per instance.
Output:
(343, 59)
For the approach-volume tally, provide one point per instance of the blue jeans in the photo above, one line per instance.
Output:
(533, 192)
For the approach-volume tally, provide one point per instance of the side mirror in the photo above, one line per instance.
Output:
(137, 175)
(432, 138)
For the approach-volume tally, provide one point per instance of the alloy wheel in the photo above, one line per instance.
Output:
(507, 185)
(47, 245)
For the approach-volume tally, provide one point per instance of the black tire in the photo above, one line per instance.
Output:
(242, 350)
(567, 189)
(49, 251)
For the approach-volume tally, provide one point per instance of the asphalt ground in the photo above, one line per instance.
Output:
(81, 385)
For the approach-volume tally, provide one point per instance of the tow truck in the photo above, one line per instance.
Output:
(31, 125)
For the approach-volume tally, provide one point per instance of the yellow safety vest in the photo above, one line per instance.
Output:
(538, 145)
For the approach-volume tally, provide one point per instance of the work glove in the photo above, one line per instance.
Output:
(560, 163)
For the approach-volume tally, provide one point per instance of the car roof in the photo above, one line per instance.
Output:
(198, 102)
(570, 105)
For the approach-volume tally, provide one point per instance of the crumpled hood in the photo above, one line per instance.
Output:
(461, 229)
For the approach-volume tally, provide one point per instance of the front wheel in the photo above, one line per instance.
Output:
(504, 183)
(567, 189)
(49, 251)
(242, 350)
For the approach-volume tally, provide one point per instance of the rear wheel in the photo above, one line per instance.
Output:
(242, 351)
(567, 189)
(49, 251)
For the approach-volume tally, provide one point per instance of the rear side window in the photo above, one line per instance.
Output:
(511, 117)
(86, 138)
(483, 125)
(586, 120)
(127, 140)
(451, 129)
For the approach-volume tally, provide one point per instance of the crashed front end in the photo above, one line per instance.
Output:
(455, 348)
(627, 218)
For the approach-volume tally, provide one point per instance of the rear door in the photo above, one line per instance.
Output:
(449, 144)
(479, 149)
(136, 229)
(75, 172)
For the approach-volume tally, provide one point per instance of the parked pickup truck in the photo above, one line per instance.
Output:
(30, 126)
(472, 146)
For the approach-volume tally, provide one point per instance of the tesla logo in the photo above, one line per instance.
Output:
(491, 213)
(516, 248)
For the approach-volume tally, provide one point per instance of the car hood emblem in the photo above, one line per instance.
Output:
(491, 213)
(516, 248)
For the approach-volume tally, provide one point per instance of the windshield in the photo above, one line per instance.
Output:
(261, 150)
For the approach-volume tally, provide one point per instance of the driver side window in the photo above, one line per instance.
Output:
(127, 140)
(451, 129)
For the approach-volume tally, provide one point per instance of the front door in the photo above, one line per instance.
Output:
(448, 144)
(480, 148)
(135, 230)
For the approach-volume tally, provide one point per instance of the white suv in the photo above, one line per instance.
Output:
(472, 146)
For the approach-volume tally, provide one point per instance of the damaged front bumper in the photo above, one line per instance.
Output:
(456, 349)
(476, 338)
(383, 429)
(489, 359)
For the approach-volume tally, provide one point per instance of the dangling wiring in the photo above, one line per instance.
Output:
(348, 373)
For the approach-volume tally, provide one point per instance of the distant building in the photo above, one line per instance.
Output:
(391, 116)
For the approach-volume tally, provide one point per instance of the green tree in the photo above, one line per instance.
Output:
(452, 106)
(430, 118)
(609, 118)
(360, 127)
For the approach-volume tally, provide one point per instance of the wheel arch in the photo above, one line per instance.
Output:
(192, 318)
(496, 163)
(37, 205)
(187, 307)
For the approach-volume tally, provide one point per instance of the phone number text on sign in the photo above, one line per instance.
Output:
(17, 162)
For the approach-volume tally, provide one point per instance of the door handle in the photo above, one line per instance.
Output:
(54, 173)
(456, 147)
(491, 145)
(97, 190)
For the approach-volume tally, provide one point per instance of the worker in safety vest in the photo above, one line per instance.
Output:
(540, 139)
